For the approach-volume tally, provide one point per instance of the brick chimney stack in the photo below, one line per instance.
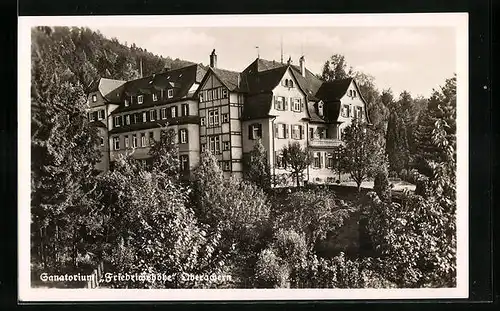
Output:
(213, 59)
(302, 63)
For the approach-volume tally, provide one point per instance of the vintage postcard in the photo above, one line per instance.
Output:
(243, 157)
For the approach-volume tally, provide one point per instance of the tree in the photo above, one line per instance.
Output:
(64, 152)
(257, 167)
(296, 159)
(362, 153)
(416, 239)
(441, 108)
(336, 68)
(396, 146)
(150, 227)
(165, 153)
(381, 184)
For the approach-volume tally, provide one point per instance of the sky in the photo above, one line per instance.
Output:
(415, 59)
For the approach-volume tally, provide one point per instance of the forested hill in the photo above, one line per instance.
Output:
(88, 55)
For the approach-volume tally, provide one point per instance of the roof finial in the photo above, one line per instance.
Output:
(289, 60)
(258, 54)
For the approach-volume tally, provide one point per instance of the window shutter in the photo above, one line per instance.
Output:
(301, 131)
(287, 130)
(285, 100)
(275, 103)
(187, 110)
(187, 136)
(276, 130)
(250, 131)
(320, 159)
(260, 130)
(169, 113)
(179, 136)
(301, 105)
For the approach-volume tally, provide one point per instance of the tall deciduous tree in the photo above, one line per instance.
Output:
(296, 160)
(362, 152)
(336, 68)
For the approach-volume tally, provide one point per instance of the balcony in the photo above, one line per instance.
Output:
(325, 142)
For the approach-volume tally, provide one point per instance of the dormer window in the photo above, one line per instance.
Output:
(101, 114)
(140, 99)
(290, 83)
(94, 98)
(127, 102)
(170, 93)
(155, 97)
(320, 109)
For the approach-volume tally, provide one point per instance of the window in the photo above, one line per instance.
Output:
(151, 138)
(155, 97)
(163, 113)
(185, 110)
(213, 117)
(101, 114)
(320, 109)
(173, 112)
(201, 96)
(329, 160)
(279, 103)
(317, 160)
(297, 131)
(127, 142)
(127, 103)
(224, 93)
(225, 118)
(94, 98)
(226, 165)
(226, 145)
(255, 131)
(296, 105)
(116, 143)
(183, 136)
(311, 133)
(321, 132)
(353, 93)
(118, 121)
(170, 93)
(144, 116)
(345, 111)
(152, 115)
(281, 130)
(360, 113)
(279, 159)
(127, 119)
(143, 139)
(203, 147)
(134, 141)
(214, 144)
(290, 83)
(202, 121)
(184, 163)
(140, 99)
(101, 141)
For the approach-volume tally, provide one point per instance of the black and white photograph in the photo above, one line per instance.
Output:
(252, 157)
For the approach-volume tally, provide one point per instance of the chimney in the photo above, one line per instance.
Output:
(302, 62)
(213, 59)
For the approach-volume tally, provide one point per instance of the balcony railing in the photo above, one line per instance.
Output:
(325, 142)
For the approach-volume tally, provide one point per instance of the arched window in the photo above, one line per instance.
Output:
(290, 83)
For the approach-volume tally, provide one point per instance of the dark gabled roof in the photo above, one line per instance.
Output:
(261, 82)
(310, 84)
(257, 106)
(259, 65)
(110, 89)
(180, 79)
(333, 90)
(227, 77)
